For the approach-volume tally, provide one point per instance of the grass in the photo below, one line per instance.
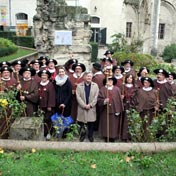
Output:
(90, 163)
(19, 53)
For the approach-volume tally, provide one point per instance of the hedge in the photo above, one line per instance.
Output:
(94, 53)
(7, 47)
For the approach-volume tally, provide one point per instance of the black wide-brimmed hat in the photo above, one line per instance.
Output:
(127, 62)
(43, 57)
(107, 59)
(110, 78)
(18, 62)
(33, 72)
(141, 69)
(115, 67)
(147, 79)
(5, 63)
(108, 52)
(173, 74)
(51, 60)
(44, 72)
(164, 72)
(6, 68)
(80, 65)
(36, 61)
(96, 66)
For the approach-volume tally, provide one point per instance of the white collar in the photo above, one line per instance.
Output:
(118, 76)
(162, 82)
(147, 88)
(109, 87)
(44, 83)
(75, 75)
(52, 70)
(27, 79)
(129, 85)
(127, 70)
(98, 73)
(4, 79)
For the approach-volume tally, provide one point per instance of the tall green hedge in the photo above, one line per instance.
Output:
(26, 41)
(169, 52)
(94, 53)
(7, 47)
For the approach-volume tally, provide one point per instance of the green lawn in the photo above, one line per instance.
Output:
(19, 53)
(91, 163)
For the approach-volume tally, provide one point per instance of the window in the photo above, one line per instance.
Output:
(128, 29)
(98, 35)
(161, 31)
(21, 16)
(95, 20)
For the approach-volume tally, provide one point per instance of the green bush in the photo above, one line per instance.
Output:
(7, 34)
(139, 60)
(94, 53)
(7, 47)
(169, 53)
(26, 41)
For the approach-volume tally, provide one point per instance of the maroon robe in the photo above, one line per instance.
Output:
(98, 78)
(74, 107)
(116, 106)
(8, 84)
(30, 92)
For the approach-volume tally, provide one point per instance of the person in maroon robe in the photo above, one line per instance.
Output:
(109, 98)
(128, 66)
(163, 87)
(35, 64)
(43, 60)
(28, 91)
(68, 66)
(7, 82)
(143, 72)
(128, 91)
(51, 67)
(5, 63)
(118, 75)
(47, 101)
(170, 79)
(76, 78)
(146, 104)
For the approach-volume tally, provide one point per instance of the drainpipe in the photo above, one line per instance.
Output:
(154, 26)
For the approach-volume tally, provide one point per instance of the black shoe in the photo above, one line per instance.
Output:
(82, 134)
(91, 139)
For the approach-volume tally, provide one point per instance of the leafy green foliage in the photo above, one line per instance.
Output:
(94, 53)
(162, 128)
(26, 41)
(7, 47)
(169, 52)
(120, 44)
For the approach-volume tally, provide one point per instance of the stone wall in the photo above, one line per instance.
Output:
(56, 15)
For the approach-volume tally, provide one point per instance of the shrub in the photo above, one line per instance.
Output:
(7, 34)
(138, 59)
(7, 47)
(94, 53)
(26, 41)
(169, 53)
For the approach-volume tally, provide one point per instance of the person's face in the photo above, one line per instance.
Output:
(61, 73)
(110, 82)
(109, 55)
(5, 74)
(146, 84)
(130, 79)
(36, 66)
(44, 77)
(51, 65)
(27, 74)
(17, 67)
(88, 78)
(160, 77)
(107, 63)
(78, 70)
(117, 72)
(170, 78)
(127, 66)
(144, 73)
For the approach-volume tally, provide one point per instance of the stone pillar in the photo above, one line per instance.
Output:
(56, 15)
(154, 26)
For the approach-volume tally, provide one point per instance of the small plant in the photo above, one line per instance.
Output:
(10, 108)
(169, 52)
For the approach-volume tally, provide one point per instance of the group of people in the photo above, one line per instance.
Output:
(96, 99)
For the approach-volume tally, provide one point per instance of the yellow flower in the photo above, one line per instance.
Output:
(1, 150)
(3, 102)
(33, 150)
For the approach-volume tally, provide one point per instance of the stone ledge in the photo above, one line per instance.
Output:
(86, 146)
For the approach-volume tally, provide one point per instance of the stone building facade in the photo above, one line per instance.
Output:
(152, 21)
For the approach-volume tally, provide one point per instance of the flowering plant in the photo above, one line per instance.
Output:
(10, 108)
